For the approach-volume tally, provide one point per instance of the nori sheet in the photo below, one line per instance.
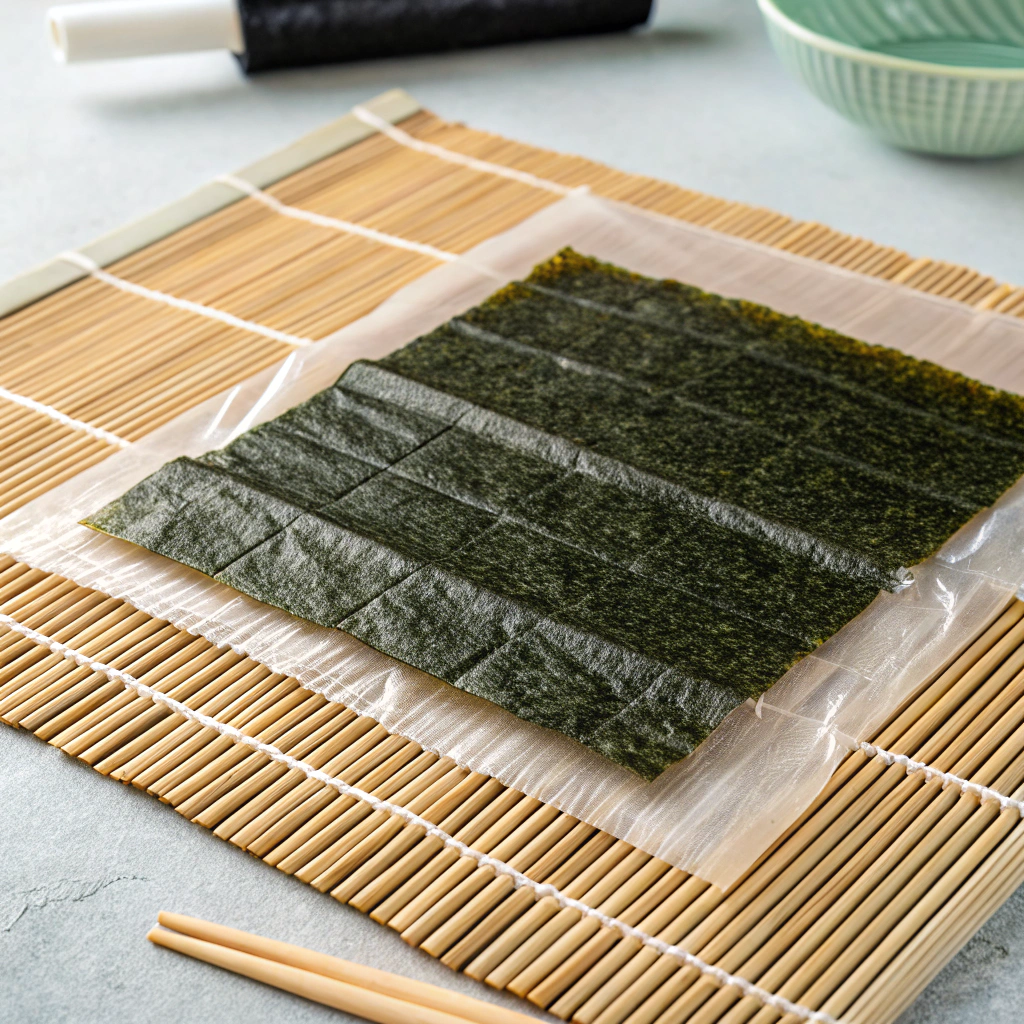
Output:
(615, 506)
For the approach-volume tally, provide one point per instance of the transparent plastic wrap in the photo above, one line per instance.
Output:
(718, 810)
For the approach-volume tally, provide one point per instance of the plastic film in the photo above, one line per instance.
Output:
(715, 812)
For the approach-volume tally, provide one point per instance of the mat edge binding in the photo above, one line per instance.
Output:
(394, 106)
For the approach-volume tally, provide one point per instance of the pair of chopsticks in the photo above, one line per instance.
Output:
(365, 991)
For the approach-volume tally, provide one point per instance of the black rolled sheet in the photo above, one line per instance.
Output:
(291, 33)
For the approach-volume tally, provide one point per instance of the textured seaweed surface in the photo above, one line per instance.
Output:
(615, 506)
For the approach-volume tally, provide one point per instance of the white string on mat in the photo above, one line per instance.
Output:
(911, 766)
(64, 419)
(92, 268)
(454, 157)
(499, 867)
(334, 223)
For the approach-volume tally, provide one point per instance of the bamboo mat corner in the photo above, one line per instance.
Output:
(850, 914)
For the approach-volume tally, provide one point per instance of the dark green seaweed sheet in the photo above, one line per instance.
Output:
(615, 506)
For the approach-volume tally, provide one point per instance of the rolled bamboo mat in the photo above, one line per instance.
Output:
(850, 914)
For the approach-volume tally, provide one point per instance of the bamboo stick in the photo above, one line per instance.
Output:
(370, 978)
(338, 994)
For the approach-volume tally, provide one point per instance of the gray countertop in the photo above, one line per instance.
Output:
(697, 99)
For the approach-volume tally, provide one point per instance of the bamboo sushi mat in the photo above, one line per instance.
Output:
(850, 914)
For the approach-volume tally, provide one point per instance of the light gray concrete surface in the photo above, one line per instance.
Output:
(698, 99)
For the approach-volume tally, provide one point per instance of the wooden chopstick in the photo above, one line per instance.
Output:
(366, 991)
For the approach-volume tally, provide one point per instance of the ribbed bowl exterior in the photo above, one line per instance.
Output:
(925, 110)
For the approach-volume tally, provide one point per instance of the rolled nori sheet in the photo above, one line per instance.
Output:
(290, 33)
(615, 506)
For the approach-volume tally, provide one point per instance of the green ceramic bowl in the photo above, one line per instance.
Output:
(940, 76)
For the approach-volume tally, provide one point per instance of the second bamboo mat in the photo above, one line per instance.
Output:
(851, 913)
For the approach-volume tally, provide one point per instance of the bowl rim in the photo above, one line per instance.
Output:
(823, 42)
